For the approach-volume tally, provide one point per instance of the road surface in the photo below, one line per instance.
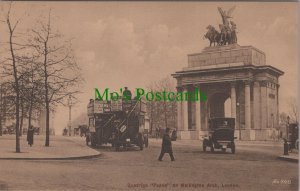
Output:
(253, 167)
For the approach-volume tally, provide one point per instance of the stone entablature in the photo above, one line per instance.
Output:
(241, 73)
(226, 56)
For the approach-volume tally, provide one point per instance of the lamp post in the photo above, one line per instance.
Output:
(240, 133)
(286, 145)
(287, 127)
(70, 107)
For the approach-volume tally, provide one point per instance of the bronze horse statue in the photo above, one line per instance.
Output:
(212, 35)
(226, 36)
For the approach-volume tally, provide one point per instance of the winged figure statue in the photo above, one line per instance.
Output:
(226, 15)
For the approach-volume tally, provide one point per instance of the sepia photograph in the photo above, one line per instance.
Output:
(149, 95)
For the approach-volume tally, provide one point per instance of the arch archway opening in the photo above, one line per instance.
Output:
(219, 105)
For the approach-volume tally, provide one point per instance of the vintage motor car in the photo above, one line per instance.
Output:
(220, 135)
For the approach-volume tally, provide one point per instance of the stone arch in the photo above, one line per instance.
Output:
(216, 104)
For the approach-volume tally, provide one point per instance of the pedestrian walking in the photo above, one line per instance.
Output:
(166, 146)
(30, 134)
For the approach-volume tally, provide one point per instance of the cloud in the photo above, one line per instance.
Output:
(281, 26)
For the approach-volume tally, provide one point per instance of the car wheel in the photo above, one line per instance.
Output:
(233, 148)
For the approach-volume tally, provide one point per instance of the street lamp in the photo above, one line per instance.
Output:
(287, 127)
(240, 133)
(70, 107)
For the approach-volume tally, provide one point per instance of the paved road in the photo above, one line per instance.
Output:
(251, 168)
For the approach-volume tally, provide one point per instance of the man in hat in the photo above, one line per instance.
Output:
(127, 94)
(166, 146)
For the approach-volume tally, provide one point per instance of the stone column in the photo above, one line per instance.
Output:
(233, 100)
(256, 105)
(277, 105)
(263, 106)
(179, 113)
(247, 106)
(185, 118)
(198, 112)
(205, 113)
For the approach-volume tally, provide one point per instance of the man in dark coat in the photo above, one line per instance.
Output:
(30, 133)
(166, 146)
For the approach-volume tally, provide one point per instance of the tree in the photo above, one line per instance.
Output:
(151, 107)
(32, 88)
(60, 72)
(162, 113)
(283, 117)
(293, 110)
(2, 107)
(14, 67)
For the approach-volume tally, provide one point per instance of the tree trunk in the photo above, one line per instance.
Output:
(1, 110)
(0, 123)
(30, 109)
(47, 102)
(47, 125)
(22, 117)
(29, 118)
(31, 101)
(18, 150)
(17, 91)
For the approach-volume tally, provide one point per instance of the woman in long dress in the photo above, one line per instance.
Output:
(30, 134)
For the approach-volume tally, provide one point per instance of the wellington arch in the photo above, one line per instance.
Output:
(234, 72)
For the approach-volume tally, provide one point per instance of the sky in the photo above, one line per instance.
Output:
(119, 44)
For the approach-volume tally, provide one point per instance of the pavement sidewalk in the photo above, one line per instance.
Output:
(292, 156)
(60, 148)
